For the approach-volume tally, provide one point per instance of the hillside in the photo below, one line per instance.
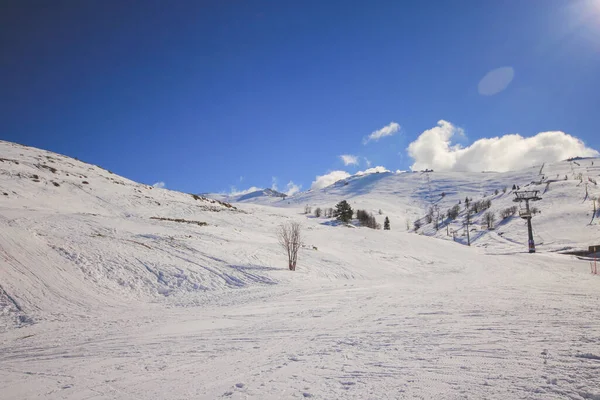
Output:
(566, 220)
(261, 196)
(114, 289)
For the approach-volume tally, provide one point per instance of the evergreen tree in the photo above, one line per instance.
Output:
(386, 224)
(343, 212)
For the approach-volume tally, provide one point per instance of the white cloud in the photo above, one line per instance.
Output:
(434, 149)
(292, 188)
(241, 178)
(235, 192)
(496, 81)
(387, 130)
(373, 170)
(274, 183)
(322, 181)
(349, 159)
(367, 161)
(159, 185)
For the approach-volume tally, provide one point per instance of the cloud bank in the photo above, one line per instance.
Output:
(235, 192)
(322, 181)
(373, 170)
(434, 149)
(292, 188)
(387, 130)
(349, 159)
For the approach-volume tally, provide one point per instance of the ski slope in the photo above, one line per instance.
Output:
(106, 296)
(566, 220)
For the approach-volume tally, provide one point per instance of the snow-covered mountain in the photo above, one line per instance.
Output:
(114, 289)
(260, 196)
(566, 220)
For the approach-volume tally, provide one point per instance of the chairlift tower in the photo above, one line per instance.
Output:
(527, 196)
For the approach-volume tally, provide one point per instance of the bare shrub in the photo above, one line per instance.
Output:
(508, 212)
(453, 212)
(290, 239)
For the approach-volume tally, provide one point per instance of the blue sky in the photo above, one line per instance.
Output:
(205, 95)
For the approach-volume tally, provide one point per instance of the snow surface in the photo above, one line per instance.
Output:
(99, 300)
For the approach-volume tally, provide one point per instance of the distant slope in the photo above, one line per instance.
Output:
(261, 196)
(563, 224)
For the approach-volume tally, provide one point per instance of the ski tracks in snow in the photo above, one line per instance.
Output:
(360, 340)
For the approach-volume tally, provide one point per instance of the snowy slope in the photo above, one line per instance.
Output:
(101, 301)
(566, 221)
(261, 196)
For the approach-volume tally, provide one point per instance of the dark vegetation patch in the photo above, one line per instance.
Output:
(588, 356)
(213, 201)
(85, 182)
(49, 168)
(199, 223)
(8, 160)
(55, 184)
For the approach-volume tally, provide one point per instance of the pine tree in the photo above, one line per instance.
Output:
(386, 224)
(343, 212)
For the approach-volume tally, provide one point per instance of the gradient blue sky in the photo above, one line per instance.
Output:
(198, 94)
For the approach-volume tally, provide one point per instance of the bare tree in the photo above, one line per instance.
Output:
(318, 212)
(290, 239)
(489, 218)
(467, 228)
(307, 209)
(509, 212)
